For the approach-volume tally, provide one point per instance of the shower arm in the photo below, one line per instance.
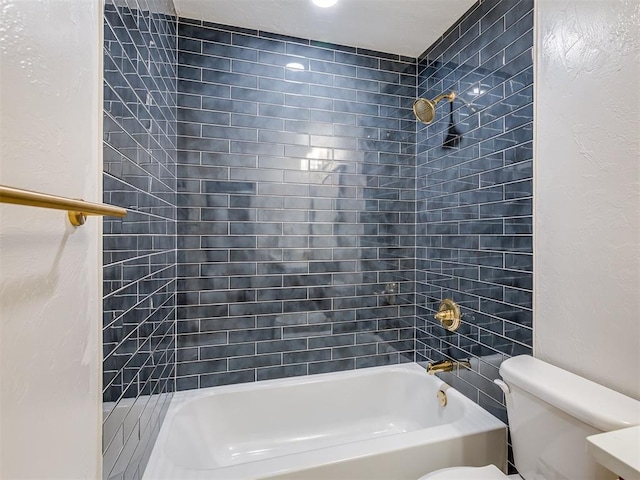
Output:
(449, 96)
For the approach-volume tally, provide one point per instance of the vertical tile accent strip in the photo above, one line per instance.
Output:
(139, 250)
(296, 206)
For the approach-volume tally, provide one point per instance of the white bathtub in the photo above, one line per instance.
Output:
(375, 423)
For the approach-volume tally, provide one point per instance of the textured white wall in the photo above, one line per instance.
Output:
(50, 291)
(587, 192)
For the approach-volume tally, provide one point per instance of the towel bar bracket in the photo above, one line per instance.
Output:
(76, 218)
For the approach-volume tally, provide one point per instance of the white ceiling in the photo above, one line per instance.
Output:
(405, 27)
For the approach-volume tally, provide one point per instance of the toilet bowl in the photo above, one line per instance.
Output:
(490, 472)
(551, 413)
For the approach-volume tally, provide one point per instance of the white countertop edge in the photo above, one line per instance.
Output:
(618, 451)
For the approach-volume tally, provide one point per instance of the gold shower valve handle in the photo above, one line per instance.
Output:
(449, 315)
(445, 316)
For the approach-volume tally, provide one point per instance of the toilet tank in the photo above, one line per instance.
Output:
(552, 411)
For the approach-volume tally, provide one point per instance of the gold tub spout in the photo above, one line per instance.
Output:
(445, 366)
(441, 366)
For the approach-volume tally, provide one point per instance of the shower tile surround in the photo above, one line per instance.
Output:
(260, 229)
(474, 202)
(296, 206)
(301, 194)
(139, 336)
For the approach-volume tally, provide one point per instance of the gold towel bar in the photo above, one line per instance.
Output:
(77, 209)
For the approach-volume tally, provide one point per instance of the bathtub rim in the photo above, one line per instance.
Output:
(181, 398)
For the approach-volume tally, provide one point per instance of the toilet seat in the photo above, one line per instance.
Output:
(490, 472)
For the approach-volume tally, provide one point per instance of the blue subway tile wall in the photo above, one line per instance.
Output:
(140, 250)
(296, 183)
(317, 224)
(474, 197)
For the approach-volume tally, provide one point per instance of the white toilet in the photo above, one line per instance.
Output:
(551, 412)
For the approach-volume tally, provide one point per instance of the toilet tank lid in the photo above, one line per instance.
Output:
(594, 404)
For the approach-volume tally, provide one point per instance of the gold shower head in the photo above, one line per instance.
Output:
(425, 110)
